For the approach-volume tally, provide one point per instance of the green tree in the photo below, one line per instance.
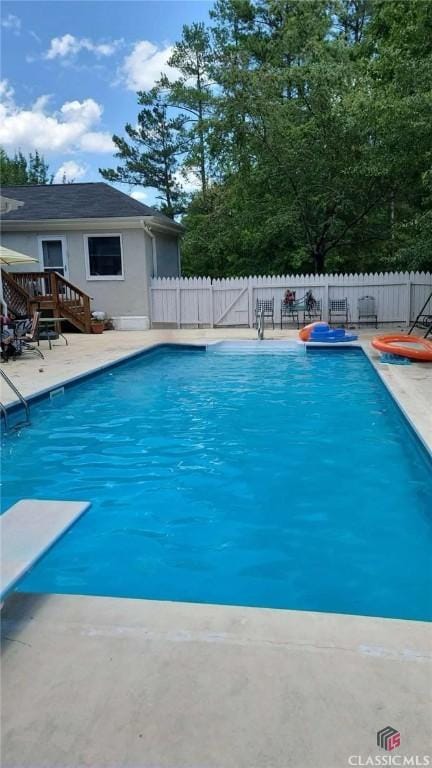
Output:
(191, 94)
(23, 170)
(309, 124)
(321, 134)
(151, 157)
(400, 65)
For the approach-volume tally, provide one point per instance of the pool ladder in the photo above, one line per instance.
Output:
(260, 325)
(23, 401)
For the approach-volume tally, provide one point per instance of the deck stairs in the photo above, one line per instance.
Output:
(25, 292)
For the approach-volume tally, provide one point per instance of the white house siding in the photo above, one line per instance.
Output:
(24, 242)
(168, 257)
(129, 296)
(126, 297)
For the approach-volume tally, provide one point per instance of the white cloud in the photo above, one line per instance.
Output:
(145, 64)
(140, 195)
(68, 45)
(70, 129)
(95, 141)
(70, 171)
(12, 22)
(85, 112)
(41, 103)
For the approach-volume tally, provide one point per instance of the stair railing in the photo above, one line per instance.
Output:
(15, 296)
(71, 300)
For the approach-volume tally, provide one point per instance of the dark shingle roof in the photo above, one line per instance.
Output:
(75, 201)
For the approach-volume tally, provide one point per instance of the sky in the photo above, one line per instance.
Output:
(70, 71)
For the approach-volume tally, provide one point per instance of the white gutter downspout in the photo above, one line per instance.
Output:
(148, 231)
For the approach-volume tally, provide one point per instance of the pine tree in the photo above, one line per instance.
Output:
(191, 93)
(18, 169)
(152, 156)
(37, 170)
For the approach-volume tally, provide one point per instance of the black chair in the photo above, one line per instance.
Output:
(289, 309)
(266, 307)
(338, 308)
(367, 310)
(315, 311)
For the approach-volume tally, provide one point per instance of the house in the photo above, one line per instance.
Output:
(100, 240)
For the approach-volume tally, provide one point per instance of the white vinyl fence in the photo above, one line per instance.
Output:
(200, 301)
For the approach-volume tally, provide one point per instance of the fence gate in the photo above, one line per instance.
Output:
(230, 303)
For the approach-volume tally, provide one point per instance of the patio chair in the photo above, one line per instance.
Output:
(314, 312)
(266, 306)
(7, 337)
(338, 308)
(367, 310)
(26, 335)
(290, 310)
(291, 307)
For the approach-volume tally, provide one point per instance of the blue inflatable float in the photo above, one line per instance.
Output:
(321, 332)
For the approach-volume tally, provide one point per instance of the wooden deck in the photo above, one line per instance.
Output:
(25, 292)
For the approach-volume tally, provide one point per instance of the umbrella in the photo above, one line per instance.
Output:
(10, 257)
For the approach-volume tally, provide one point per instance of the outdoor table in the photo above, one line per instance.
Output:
(56, 321)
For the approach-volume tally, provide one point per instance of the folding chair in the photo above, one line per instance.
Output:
(26, 334)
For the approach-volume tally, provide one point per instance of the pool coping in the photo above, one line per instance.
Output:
(108, 674)
(409, 420)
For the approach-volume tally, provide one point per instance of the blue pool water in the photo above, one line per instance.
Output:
(282, 480)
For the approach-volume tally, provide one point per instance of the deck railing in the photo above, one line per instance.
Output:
(71, 301)
(14, 296)
(24, 291)
(35, 284)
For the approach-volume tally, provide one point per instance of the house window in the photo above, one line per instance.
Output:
(53, 254)
(104, 257)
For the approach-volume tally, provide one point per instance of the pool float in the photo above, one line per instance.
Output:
(412, 347)
(321, 332)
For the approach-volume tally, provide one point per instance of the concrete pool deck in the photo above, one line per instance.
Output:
(104, 682)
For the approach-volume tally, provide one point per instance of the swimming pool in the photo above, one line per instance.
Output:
(285, 480)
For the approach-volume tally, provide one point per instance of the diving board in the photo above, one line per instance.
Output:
(27, 530)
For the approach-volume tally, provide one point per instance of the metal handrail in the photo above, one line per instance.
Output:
(5, 416)
(260, 325)
(22, 400)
